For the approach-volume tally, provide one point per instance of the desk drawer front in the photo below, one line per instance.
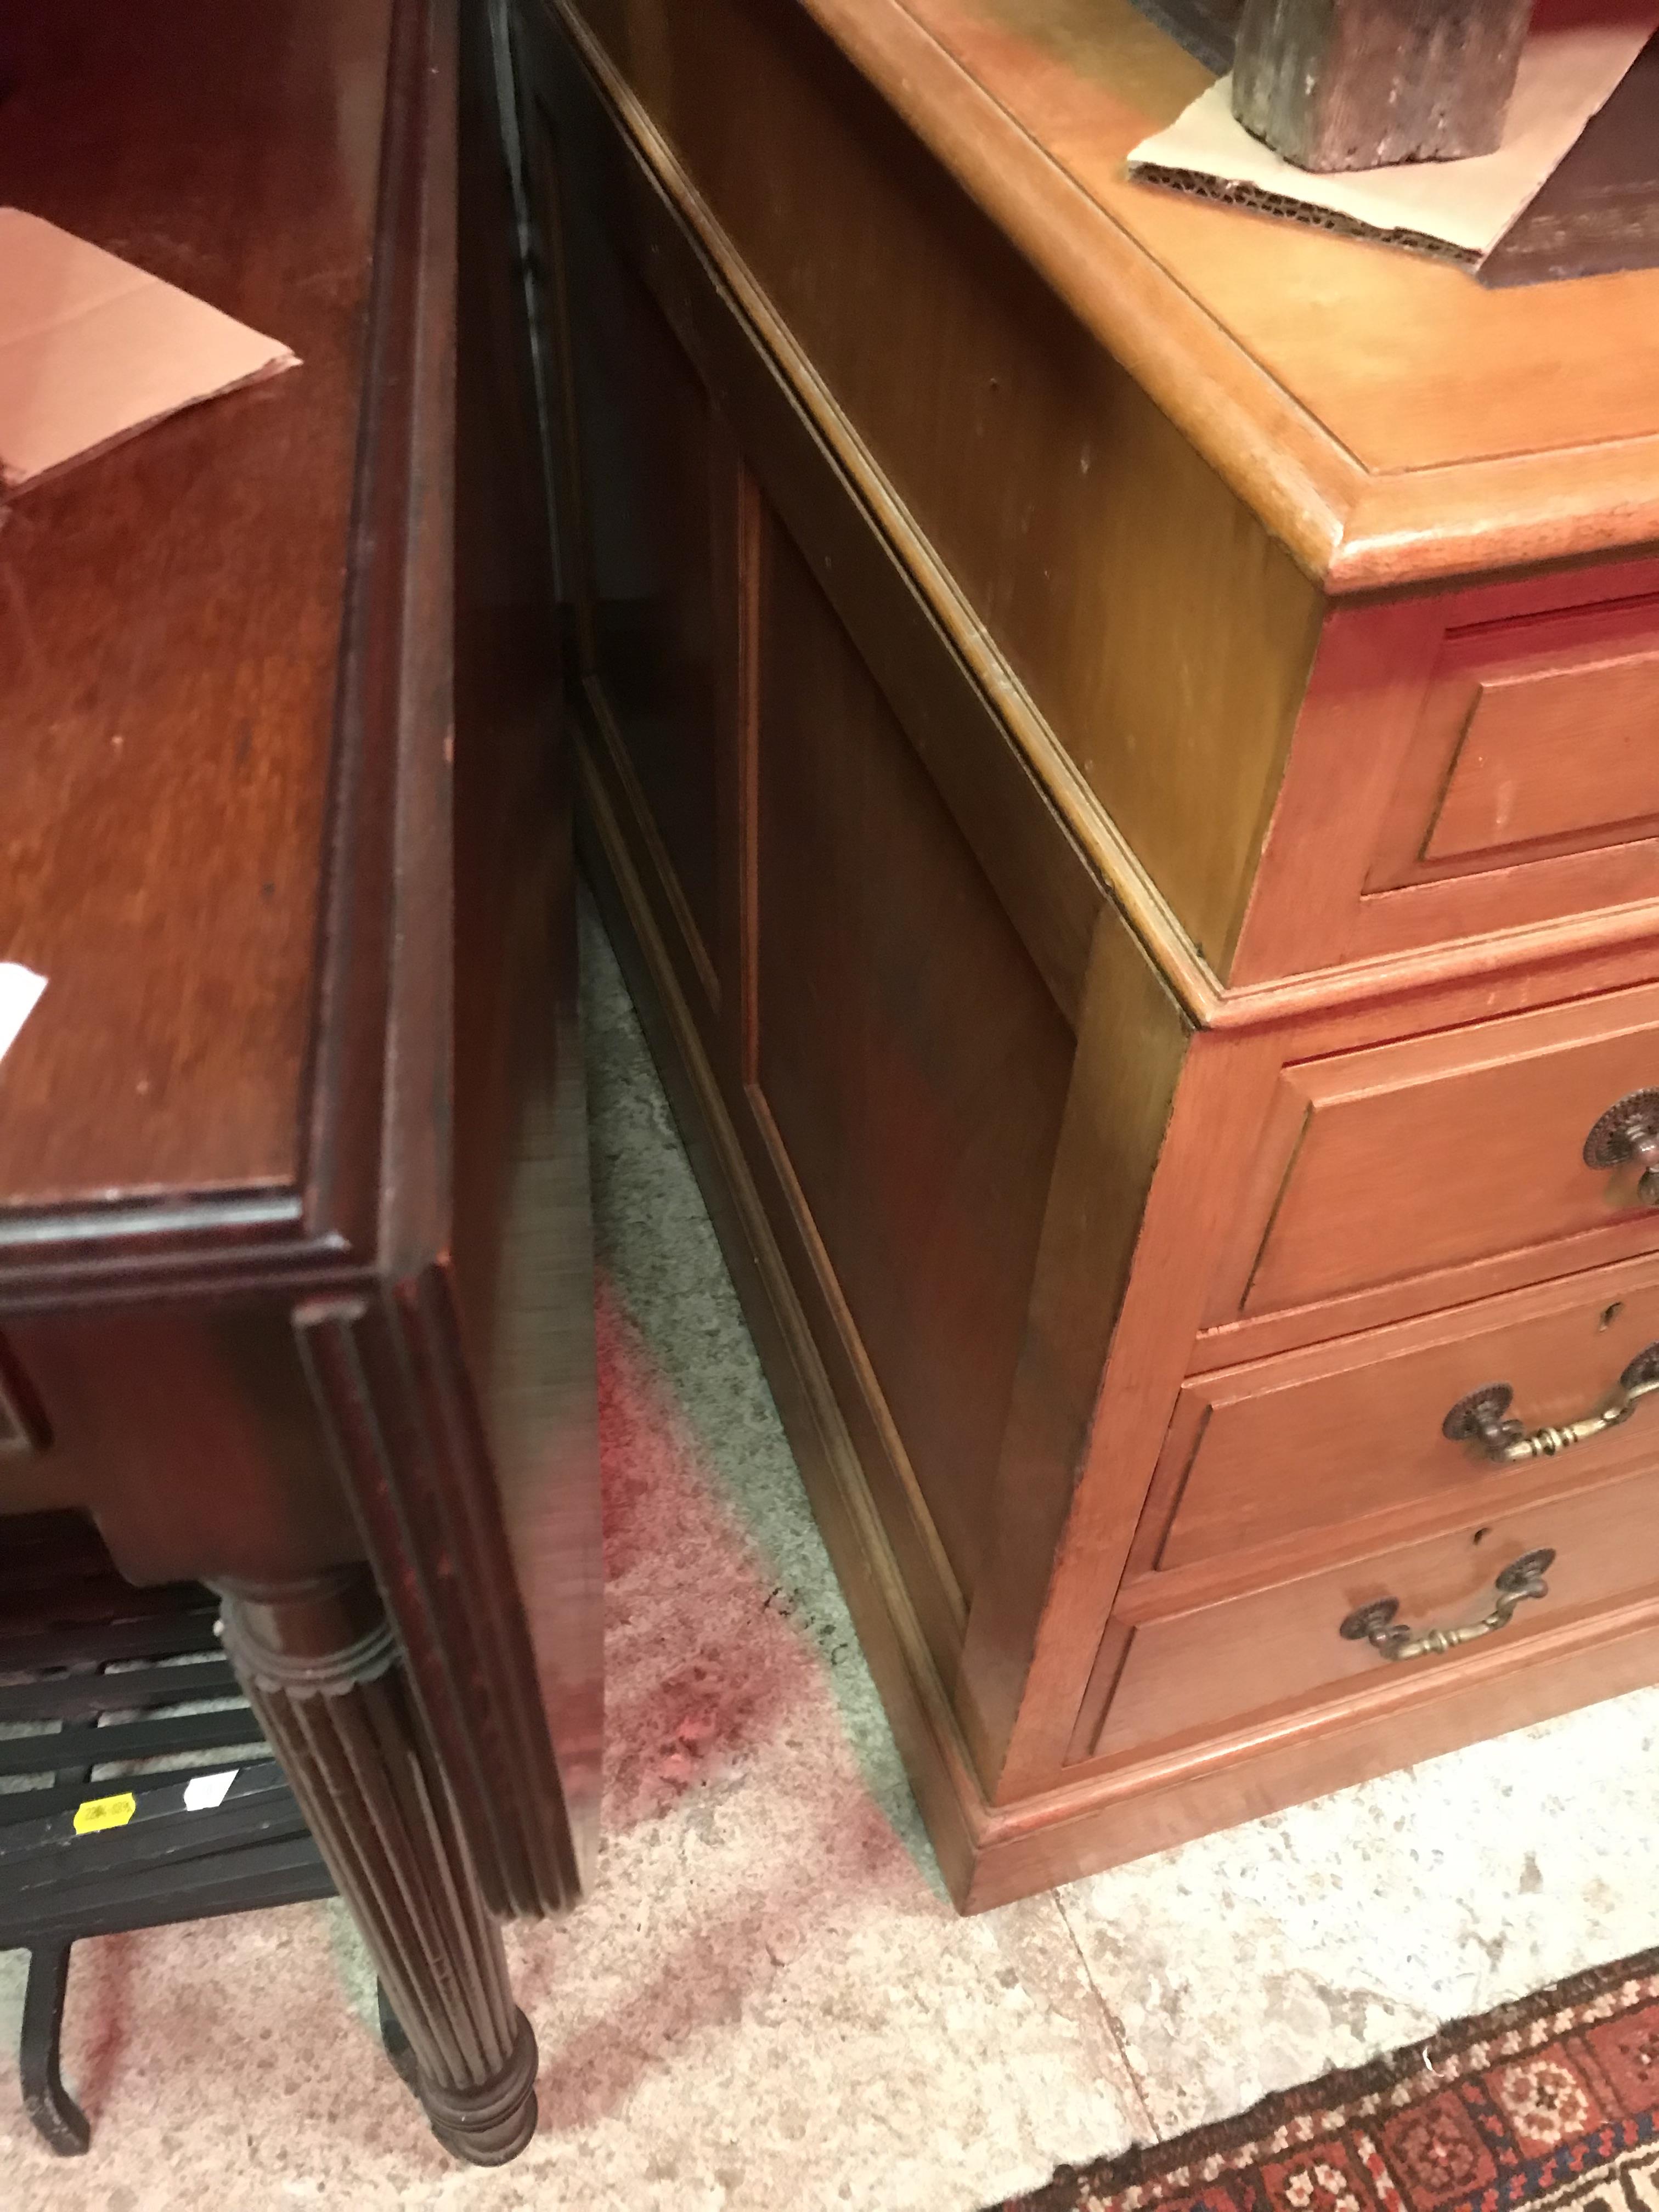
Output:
(1260, 1454)
(1282, 1649)
(1539, 735)
(1466, 765)
(1447, 1151)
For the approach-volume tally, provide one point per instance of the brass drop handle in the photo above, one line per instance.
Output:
(1481, 1417)
(1376, 1625)
(1628, 1131)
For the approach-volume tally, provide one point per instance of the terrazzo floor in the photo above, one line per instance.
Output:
(767, 2002)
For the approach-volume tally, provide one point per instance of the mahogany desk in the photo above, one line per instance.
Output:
(294, 1265)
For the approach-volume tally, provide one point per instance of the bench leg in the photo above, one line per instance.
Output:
(47, 2102)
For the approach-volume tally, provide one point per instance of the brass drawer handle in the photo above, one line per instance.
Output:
(1480, 1419)
(1629, 1131)
(1375, 1624)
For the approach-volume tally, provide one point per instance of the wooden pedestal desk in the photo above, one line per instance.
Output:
(294, 1284)
(1125, 739)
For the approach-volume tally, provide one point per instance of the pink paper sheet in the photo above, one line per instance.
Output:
(92, 349)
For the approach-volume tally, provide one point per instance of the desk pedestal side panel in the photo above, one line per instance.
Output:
(991, 1176)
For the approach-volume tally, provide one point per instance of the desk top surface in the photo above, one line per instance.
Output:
(170, 609)
(1390, 418)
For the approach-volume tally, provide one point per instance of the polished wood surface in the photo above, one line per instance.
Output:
(1147, 1055)
(1280, 1646)
(295, 1261)
(916, 1091)
(1351, 1430)
(1279, 352)
(1400, 362)
(170, 717)
(1441, 1150)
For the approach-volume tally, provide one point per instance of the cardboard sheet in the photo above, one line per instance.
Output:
(1573, 63)
(92, 349)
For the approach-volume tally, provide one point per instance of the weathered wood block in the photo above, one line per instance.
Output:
(1357, 84)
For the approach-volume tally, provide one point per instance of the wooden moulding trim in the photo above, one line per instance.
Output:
(890, 1631)
(389, 1382)
(1144, 1773)
(1106, 852)
(1102, 1821)
(344, 1096)
(1459, 960)
(1351, 528)
(1430, 525)
(990, 1854)
(1104, 846)
(1264, 444)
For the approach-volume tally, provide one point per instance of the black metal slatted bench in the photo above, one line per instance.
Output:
(103, 1732)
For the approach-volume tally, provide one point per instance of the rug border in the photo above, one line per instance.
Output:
(1143, 2166)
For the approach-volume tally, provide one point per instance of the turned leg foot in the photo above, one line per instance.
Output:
(394, 2042)
(322, 1670)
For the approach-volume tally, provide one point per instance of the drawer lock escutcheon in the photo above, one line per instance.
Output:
(1626, 1133)
(1376, 1625)
(1482, 1418)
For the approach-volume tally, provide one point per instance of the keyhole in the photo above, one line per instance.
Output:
(1613, 1313)
(1479, 1535)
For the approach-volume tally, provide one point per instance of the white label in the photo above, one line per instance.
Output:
(19, 989)
(203, 1792)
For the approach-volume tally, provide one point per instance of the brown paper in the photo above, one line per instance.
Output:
(1568, 70)
(92, 349)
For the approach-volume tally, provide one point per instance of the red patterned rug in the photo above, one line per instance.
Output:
(1550, 2102)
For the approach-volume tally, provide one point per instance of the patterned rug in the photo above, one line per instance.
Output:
(1550, 2103)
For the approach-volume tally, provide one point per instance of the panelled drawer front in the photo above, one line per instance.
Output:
(1442, 1151)
(1281, 1648)
(1537, 735)
(1258, 1454)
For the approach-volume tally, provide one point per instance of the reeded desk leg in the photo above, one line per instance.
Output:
(322, 1670)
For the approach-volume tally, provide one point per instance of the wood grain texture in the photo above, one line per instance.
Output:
(1551, 722)
(909, 1058)
(180, 730)
(1518, 711)
(864, 248)
(108, 1386)
(1034, 717)
(1354, 395)
(1362, 84)
(322, 1671)
(520, 1234)
(1280, 1646)
(149, 1308)
(1106, 1816)
(1346, 1432)
(1444, 1150)
(1132, 1044)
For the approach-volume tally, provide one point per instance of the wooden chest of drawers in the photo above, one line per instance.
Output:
(1124, 740)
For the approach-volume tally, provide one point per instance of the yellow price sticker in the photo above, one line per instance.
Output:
(98, 1812)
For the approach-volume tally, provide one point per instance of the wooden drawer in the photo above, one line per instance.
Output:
(1259, 1454)
(1441, 1151)
(1278, 1648)
(1466, 765)
(1537, 736)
